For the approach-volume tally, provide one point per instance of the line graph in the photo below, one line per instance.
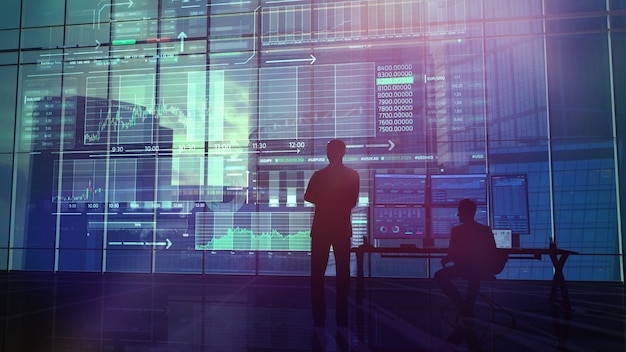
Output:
(276, 231)
(86, 181)
(131, 112)
(81, 181)
(115, 110)
(113, 119)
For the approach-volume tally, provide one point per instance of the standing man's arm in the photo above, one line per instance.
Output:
(310, 193)
(356, 186)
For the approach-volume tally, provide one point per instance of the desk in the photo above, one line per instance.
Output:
(557, 256)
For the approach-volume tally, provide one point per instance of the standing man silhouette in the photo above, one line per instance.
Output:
(472, 249)
(334, 191)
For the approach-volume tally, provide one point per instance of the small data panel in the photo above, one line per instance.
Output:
(509, 203)
(399, 222)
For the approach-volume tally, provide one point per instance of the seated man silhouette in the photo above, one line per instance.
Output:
(472, 249)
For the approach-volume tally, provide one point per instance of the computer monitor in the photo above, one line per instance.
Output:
(399, 189)
(448, 190)
(503, 238)
(509, 203)
(443, 219)
(399, 222)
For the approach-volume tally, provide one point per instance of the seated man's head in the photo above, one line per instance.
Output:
(467, 210)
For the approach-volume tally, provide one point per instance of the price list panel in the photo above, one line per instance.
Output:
(48, 115)
(455, 103)
(398, 100)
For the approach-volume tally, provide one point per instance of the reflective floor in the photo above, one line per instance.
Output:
(88, 312)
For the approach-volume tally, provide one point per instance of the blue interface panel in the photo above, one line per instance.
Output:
(450, 189)
(400, 189)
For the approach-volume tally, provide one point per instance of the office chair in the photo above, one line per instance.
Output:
(499, 260)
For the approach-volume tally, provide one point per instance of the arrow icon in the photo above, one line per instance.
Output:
(129, 3)
(182, 37)
(390, 145)
(167, 243)
(312, 59)
(297, 151)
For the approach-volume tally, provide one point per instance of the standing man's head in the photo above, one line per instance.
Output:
(335, 150)
(467, 210)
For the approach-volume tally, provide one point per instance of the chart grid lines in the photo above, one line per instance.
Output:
(117, 111)
(269, 231)
(331, 101)
(359, 20)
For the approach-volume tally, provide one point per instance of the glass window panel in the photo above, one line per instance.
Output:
(230, 262)
(593, 268)
(401, 267)
(559, 7)
(83, 12)
(292, 263)
(80, 260)
(39, 13)
(580, 97)
(8, 98)
(4, 258)
(10, 14)
(42, 38)
(177, 261)
(8, 58)
(128, 260)
(6, 173)
(512, 8)
(31, 259)
(516, 88)
(580, 169)
(618, 4)
(576, 25)
(618, 41)
(87, 38)
(9, 40)
(509, 27)
(34, 224)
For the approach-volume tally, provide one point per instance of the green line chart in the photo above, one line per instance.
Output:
(115, 110)
(248, 231)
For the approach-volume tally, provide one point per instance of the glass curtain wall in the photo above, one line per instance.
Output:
(178, 136)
